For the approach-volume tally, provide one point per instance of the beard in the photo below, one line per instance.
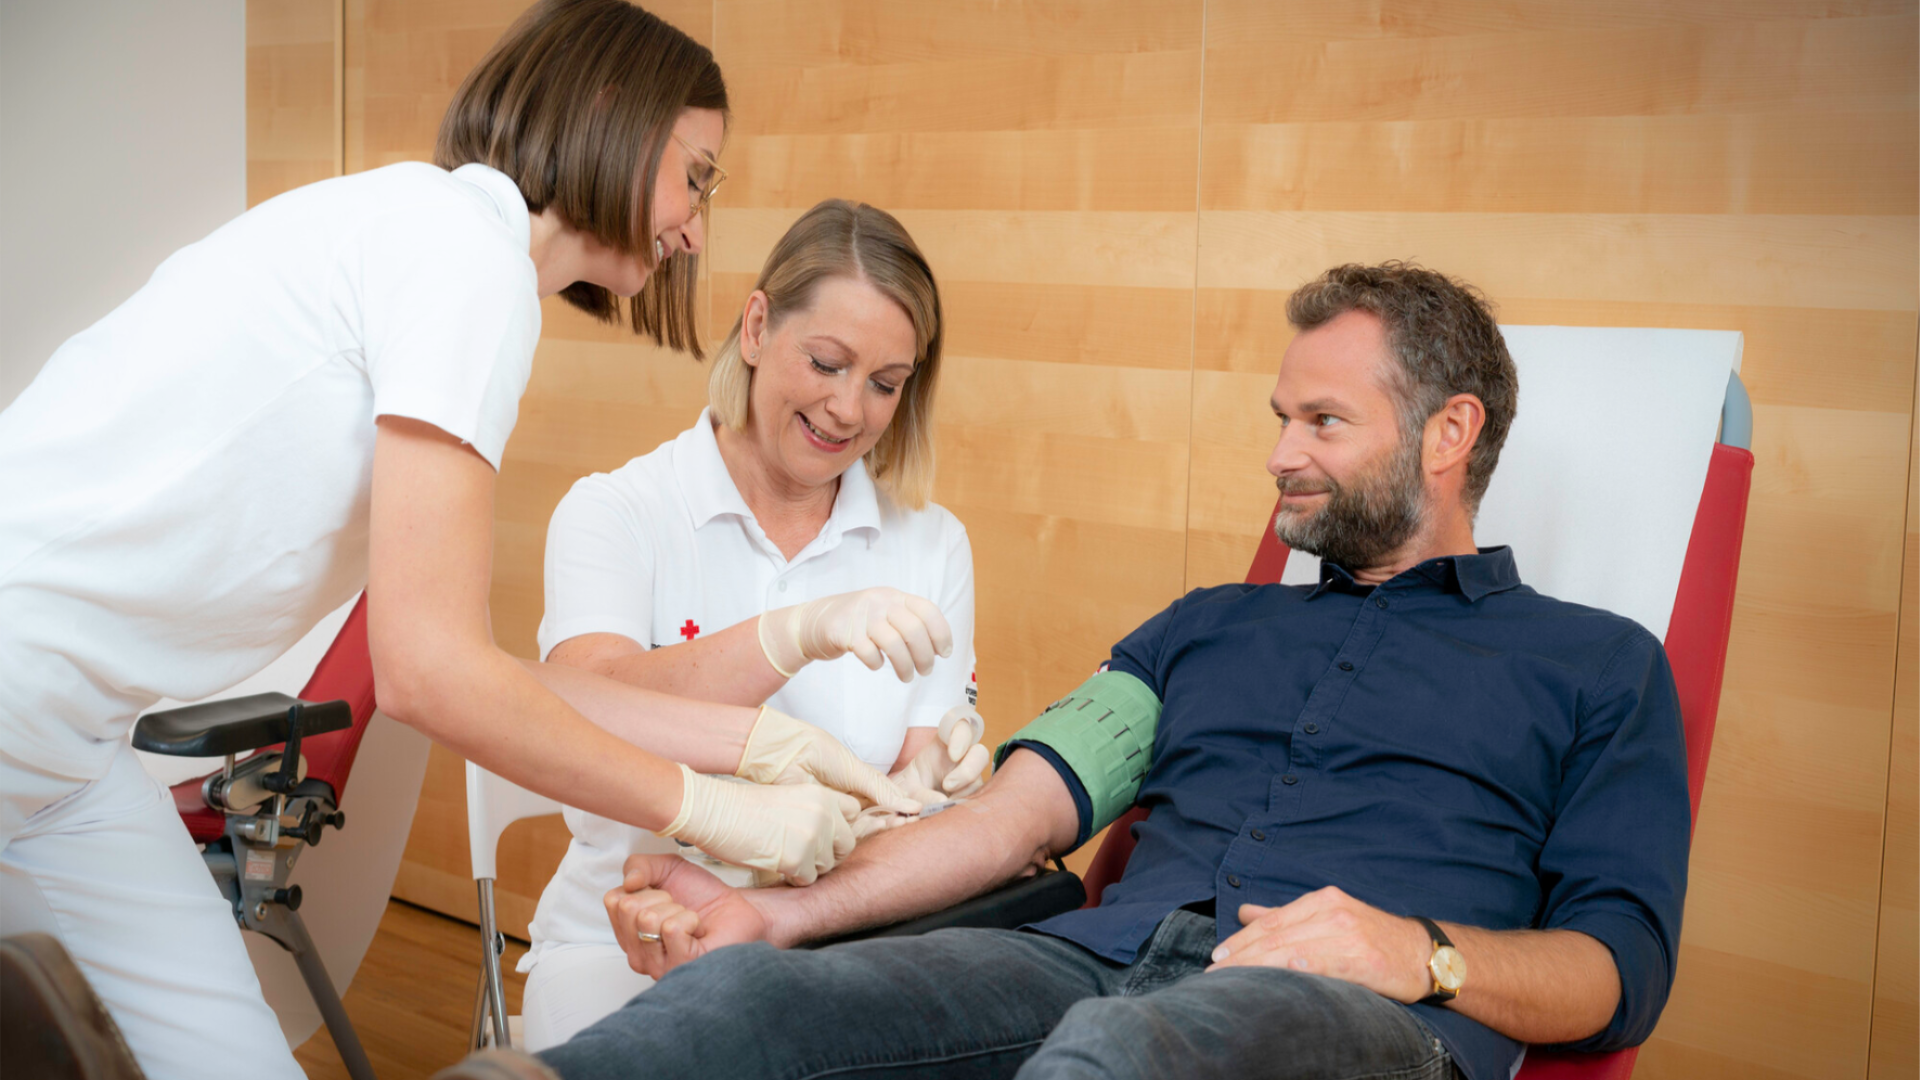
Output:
(1362, 521)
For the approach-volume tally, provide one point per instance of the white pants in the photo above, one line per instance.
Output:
(571, 989)
(106, 867)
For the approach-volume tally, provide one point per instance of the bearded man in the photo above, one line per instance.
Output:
(1402, 823)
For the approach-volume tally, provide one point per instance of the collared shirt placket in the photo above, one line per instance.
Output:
(1287, 790)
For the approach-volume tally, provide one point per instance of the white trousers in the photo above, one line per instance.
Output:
(571, 989)
(106, 867)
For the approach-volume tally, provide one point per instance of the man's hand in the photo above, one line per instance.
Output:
(1327, 932)
(684, 911)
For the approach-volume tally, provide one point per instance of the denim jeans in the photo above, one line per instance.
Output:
(997, 1003)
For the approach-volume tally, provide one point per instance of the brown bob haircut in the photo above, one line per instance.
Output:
(575, 103)
(1445, 340)
(841, 239)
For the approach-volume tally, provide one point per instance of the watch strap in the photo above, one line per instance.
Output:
(1440, 995)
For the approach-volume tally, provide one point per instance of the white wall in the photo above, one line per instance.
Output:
(122, 138)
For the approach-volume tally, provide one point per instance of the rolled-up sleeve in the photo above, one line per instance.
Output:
(1614, 866)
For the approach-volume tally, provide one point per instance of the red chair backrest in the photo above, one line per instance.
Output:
(1696, 647)
(345, 673)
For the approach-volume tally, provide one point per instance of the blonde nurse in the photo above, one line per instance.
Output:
(697, 569)
(314, 400)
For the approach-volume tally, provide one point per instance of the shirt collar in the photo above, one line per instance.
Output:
(1490, 570)
(504, 194)
(711, 492)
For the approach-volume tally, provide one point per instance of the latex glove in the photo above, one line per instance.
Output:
(798, 831)
(953, 765)
(876, 625)
(782, 750)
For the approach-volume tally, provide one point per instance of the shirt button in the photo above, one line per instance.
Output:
(1233, 880)
(1258, 834)
(1313, 729)
(782, 586)
(1289, 779)
(1380, 601)
(1346, 665)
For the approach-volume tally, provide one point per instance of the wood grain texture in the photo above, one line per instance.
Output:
(291, 76)
(1118, 198)
(1894, 1053)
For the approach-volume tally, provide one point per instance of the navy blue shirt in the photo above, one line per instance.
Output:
(1450, 744)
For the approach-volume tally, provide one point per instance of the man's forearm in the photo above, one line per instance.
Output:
(1024, 815)
(1537, 986)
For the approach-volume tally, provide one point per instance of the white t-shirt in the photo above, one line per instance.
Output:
(184, 487)
(664, 549)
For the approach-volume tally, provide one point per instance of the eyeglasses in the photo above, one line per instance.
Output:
(708, 184)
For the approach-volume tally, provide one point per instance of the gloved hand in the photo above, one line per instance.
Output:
(798, 831)
(782, 750)
(953, 765)
(872, 624)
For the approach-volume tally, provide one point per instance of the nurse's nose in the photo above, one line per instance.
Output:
(693, 235)
(844, 404)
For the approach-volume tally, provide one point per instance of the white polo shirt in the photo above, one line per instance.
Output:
(664, 550)
(184, 487)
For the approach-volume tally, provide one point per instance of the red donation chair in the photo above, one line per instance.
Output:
(256, 816)
(1696, 646)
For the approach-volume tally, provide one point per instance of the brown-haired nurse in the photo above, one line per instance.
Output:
(312, 400)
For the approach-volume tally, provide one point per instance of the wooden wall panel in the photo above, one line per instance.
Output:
(1656, 165)
(292, 70)
(1894, 1053)
(1117, 199)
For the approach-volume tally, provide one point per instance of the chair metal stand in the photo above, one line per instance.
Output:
(493, 803)
(251, 865)
(267, 810)
(490, 999)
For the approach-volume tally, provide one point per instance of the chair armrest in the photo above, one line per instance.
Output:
(1046, 894)
(235, 725)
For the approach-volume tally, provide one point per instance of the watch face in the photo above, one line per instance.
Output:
(1449, 968)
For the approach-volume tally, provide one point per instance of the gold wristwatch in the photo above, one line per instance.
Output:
(1446, 965)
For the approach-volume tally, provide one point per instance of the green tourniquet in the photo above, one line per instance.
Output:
(1104, 732)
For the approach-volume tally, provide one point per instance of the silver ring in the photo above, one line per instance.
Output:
(644, 936)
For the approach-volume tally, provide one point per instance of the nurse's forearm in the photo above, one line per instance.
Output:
(436, 668)
(708, 737)
(727, 667)
(485, 706)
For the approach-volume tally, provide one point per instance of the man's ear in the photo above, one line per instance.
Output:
(1452, 432)
(753, 328)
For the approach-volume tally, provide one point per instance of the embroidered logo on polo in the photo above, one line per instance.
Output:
(688, 631)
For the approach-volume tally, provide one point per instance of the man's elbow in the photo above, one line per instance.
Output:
(1043, 810)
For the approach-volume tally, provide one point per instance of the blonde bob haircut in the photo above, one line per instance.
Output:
(839, 239)
(575, 103)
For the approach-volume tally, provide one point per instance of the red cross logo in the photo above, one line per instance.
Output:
(690, 631)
